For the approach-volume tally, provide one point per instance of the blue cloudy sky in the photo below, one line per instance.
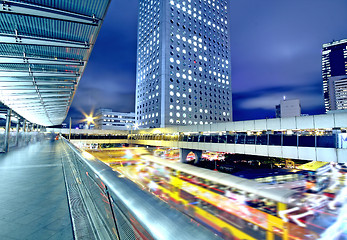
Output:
(275, 52)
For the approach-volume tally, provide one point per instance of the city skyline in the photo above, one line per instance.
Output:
(272, 54)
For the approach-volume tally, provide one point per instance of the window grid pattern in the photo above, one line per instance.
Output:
(199, 72)
(329, 64)
(197, 63)
(148, 65)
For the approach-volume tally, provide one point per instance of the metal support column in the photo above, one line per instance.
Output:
(7, 130)
(70, 131)
(24, 125)
(17, 132)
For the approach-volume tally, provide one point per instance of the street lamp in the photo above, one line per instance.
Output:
(89, 119)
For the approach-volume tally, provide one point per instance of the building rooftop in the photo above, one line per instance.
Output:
(334, 43)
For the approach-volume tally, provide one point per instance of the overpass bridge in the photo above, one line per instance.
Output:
(315, 138)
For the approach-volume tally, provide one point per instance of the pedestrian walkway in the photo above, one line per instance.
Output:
(33, 199)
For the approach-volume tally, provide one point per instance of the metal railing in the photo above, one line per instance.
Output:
(128, 212)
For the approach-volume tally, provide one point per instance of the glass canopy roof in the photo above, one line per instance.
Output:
(44, 48)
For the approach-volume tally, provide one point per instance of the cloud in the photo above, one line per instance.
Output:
(93, 98)
(261, 103)
(311, 100)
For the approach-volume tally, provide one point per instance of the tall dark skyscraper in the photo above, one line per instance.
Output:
(334, 63)
(183, 63)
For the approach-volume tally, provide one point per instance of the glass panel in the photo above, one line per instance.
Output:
(207, 139)
(223, 139)
(240, 138)
(262, 139)
(275, 139)
(326, 141)
(307, 141)
(289, 140)
(195, 138)
(201, 138)
(215, 138)
(250, 139)
(230, 138)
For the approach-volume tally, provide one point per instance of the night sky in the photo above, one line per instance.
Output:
(275, 52)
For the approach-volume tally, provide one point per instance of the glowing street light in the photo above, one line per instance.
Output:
(89, 119)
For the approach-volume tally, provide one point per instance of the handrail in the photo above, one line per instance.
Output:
(145, 214)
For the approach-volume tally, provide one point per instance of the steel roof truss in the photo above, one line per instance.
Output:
(30, 40)
(31, 95)
(27, 83)
(43, 61)
(36, 74)
(46, 12)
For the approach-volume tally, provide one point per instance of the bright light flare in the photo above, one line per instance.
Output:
(90, 119)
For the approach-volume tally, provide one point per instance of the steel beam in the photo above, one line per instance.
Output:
(37, 74)
(36, 102)
(39, 83)
(41, 107)
(7, 130)
(30, 84)
(19, 96)
(32, 88)
(43, 61)
(46, 12)
(30, 40)
(28, 78)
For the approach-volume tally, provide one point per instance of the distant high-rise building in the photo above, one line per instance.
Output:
(334, 63)
(107, 119)
(338, 92)
(288, 108)
(183, 63)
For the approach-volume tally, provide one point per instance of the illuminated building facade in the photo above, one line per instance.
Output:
(183, 63)
(338, 92)
(334, 63)
(106, 119)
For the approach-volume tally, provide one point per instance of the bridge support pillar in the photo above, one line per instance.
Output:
(17, 132)
(7, 130)
(184, 153)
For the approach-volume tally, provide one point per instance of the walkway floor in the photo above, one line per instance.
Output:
(33, 200)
